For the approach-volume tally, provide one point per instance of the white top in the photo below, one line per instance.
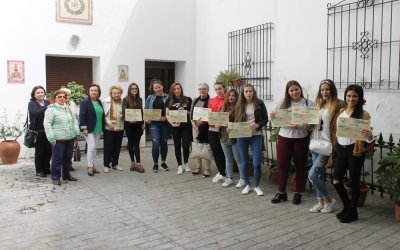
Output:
(301, 131)
(325, 121)
(250, 118)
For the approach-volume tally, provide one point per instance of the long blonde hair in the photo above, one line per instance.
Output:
(334, 101)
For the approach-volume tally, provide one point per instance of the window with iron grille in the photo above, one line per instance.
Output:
(363, 44)
(250, 53)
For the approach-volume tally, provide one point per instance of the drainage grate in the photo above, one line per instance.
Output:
(27, 210)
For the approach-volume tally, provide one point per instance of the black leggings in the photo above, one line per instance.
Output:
(134, 133)
(345, 160)
(182, 136)
(218, 153)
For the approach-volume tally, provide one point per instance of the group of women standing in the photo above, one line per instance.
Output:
(348, 154)
(57, 128)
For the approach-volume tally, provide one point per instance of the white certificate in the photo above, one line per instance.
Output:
(239, 130)
(351, 128)
(176, 116)
(283, 117)
(151, 114)
(218, 118)
(309, 115)
(133, 115)
(200, 113)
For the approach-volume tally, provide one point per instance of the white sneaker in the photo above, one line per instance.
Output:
(106, 170)
(187, 168)
(240, 184)
(328, 207)
(227, 182)
(316, 208)
(216, 178)
(180, 169)
(246, 189)
(118, 168)
(258, 191)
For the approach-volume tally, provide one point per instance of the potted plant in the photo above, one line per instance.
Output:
(78, 92)
(9, 133)
(229, 78)
(49, 96)
(388, 175)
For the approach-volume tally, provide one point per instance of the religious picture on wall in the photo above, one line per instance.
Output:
(74, 11)
(123, 73)
(15, 71)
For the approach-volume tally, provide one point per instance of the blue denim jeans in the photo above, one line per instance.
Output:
(317, 174)
(255, 142)
(61, 159)
(231, 152)
(159, 134)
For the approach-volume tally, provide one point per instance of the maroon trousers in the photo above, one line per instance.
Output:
(288, 149)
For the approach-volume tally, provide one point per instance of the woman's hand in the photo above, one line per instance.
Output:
(367, 134)
(175, 124)
(254, 127)
(272, 115)
(53, 142)
(163, 118)
(85, 132)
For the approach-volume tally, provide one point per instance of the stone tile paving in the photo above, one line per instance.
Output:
(128, 210)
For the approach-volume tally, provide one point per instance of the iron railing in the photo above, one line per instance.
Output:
(250, 54)
(363, 44)
(368, 175)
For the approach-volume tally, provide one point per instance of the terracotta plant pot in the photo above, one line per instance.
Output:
(9, 151)
(397, 212)
(363, 194)
(249, 167)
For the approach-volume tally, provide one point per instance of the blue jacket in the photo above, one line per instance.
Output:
(87, 115)
(150, 100)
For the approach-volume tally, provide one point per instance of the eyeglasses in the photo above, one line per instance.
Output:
(61, 97)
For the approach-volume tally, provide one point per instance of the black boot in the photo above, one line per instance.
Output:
(344, 197)
(350, 215)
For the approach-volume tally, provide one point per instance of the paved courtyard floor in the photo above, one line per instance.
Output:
(128, 210)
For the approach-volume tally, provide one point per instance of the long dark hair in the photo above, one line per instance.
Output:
(172, 98)
(230, 107)
(287, 101)
(358, 109)
(135, 100)
(34, 90)
(241, 104)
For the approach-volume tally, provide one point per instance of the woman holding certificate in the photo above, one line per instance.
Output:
(159, 127)
(113, 129)
(229, 145)
(350, 153)
(252, 110)
(181, 128)
(329, 106)
(200, 128)
(132, 111)
(292, 144)
(215, 105)
(91, 122)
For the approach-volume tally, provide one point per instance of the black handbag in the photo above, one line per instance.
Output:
(30, 136)
(77, 152)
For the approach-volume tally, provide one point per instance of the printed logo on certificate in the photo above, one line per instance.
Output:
(176, 116)
(283, 117)
(151, 114)
(201, 114)
(133, 115)
(239, 130)
(301, 115)
(218, 118)
(351, 128)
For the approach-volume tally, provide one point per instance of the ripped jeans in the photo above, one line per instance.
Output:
(317, 174)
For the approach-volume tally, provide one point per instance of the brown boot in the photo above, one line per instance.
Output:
(139, 168)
